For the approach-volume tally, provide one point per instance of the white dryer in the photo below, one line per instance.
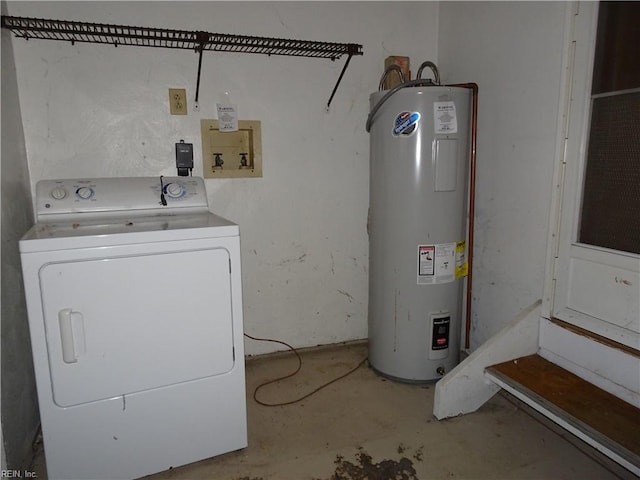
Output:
(134, 299)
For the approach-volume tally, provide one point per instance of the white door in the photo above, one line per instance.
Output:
(124, 324)
(596, 287)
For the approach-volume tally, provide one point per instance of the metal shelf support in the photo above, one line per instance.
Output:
(198, 41)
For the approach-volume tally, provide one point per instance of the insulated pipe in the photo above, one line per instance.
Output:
(472, 203)
(391, 68)
(434, 69)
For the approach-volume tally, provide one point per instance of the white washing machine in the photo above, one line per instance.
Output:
(135, 312)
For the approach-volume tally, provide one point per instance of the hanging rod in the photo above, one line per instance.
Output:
(198, 41)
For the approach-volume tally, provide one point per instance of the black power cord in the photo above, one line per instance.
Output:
(298, 368)
(163, 200)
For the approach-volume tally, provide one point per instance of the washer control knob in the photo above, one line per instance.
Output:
(58, 193)
(175, 190)
(84, 193)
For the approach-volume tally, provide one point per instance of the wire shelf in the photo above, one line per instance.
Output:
(102, 33)
(71, 31)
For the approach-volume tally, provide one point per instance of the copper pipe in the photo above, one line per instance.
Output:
(472, 204)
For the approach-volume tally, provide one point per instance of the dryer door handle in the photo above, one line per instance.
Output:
(71, 334)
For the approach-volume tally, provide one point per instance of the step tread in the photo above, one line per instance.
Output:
(589, 407)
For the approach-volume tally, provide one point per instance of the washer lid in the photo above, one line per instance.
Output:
(94, 233)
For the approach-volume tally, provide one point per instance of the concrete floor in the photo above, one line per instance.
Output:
(365, 427)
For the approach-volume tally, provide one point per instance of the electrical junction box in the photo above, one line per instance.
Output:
(184, 158)
(231, 154)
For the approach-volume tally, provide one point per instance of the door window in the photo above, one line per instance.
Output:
(610, 213)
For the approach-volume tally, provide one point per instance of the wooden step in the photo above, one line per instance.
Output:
(602, 420)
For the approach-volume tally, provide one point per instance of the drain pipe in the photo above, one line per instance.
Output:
(472, 204)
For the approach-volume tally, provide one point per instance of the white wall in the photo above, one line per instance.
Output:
(92, 110)
(95, 110)
(19, 412)
(513, 51)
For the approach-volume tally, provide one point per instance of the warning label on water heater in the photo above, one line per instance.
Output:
(426, 265)
(436, 263)
(445, 118)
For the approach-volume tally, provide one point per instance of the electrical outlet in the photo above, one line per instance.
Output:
(178, 101)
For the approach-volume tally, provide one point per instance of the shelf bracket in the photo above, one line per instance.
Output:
(202, 38)
(344, 69)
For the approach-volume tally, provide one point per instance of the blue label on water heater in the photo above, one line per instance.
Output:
(406, 123)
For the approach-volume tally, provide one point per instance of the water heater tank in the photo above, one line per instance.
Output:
(419, 148)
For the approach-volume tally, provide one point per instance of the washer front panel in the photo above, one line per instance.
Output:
(137, 342)
(121, 325)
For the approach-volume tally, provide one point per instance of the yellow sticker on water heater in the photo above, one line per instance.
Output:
(462, 266)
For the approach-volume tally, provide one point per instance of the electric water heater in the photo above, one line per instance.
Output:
(419, 148)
